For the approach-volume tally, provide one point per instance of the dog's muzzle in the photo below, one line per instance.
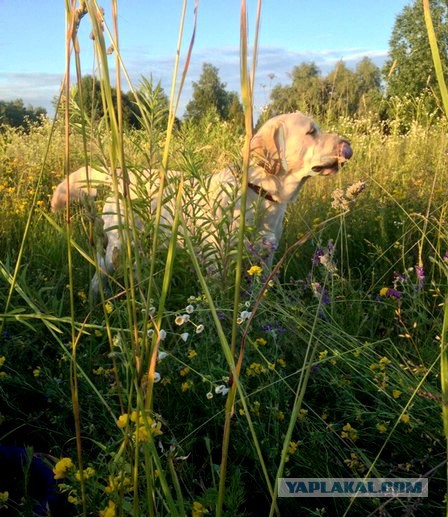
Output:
(345, 151)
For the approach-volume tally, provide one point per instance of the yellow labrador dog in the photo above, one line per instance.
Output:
(286, 151)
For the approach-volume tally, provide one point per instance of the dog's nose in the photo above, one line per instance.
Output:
(344, 149)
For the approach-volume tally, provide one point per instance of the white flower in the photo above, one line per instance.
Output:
(186, 317)
(161, 356)
(209, 395)
(199, 328)
(185, 336)
(247, 304)
(189, 309)
(162, 334)
(157, 377)
(150, 332)
(221, 389)
(180, 320)
(245, 315)
(152, 310)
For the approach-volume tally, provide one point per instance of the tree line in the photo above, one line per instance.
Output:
(407, 73)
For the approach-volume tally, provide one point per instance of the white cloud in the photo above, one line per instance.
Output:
(39, 89)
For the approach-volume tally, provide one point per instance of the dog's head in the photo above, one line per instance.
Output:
(294, 143)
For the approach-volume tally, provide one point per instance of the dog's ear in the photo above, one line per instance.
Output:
(268, 146)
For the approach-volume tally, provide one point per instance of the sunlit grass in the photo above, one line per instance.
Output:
(334, 363)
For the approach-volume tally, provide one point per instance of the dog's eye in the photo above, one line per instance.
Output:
(311, 131)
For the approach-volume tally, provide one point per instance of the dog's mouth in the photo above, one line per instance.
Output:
(332, 164)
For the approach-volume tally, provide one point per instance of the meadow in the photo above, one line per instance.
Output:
(176, 394)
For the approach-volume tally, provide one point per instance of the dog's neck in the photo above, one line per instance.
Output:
(282, 188)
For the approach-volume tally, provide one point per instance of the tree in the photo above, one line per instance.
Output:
(209, 93)
(306, 93)
(15, 114)
(409, 69)
(342, 90)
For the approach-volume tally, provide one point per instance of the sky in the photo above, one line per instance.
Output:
(32, 41)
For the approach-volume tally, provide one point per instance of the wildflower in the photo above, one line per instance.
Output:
(184, 371)
(108, 307)
(209, 395)
(150, 332)
(302, 414)
(198, 509)
(255, 408)
(2, 360)
(381, 428)
(162, 334)
(157, 377)
(199, 328)
(349, 432)
(82, 296)
(280, 416)
(255, 271)
(420, 273)
(260, 341)
(180, 320)
(396, 393)
(222, 389)
(405, 419)
(73, 499)
(281, 362)
(109, 511)
(152, 310)
(241, 412)
(161, 355)
(122, 421)
(445, 257)
(4, 496)
(185, 336)
(323, 355)
(245, 315)
(62, 467)
(189, 309)
(192, 353)
(292, 447)
(383, 362)
(36, 371)
(185, 386)
(88, 473)
(255, 369)
(118, 483)
(389, 292)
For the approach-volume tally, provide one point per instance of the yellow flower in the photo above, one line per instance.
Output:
(185, 386)
(88, 473)
(108, 306)
(381, 428)
(192, 353)
(255, 369)
(62, 467)
(109, 511)
(292, 447)
(36, 371)
(349, 432)
(4, 496)
(383, 362)
(255, 271)
(2, 360)
(198, 509)
(260, 341)
(122, 421)
(405, 419)
(396, 393)
(73, 499)
(281, 362)
(384, 291)
(280, 416)
(323, 355)
(185, 371)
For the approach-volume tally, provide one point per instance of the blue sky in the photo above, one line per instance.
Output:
(32, 41)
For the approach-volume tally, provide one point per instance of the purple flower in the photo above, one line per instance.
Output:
(445, 257)
(419, 271)
(316, 257)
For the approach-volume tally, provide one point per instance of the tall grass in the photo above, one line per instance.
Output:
(335, 371)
